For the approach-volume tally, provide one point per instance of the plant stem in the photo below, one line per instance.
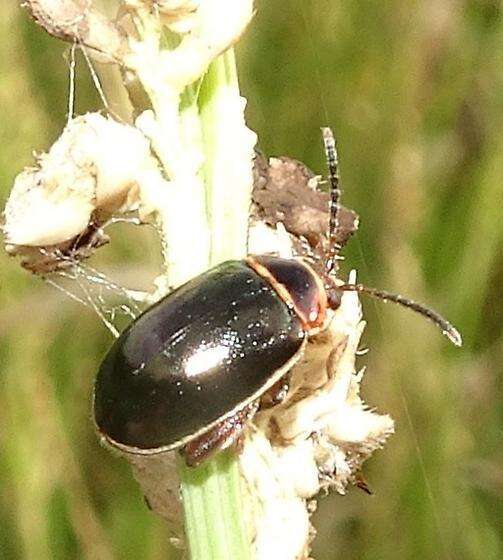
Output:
(227, 168)
(214, 525)
(211, 493)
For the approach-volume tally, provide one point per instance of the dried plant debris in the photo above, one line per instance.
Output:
(286, 192)
(46, 259)
(208, 28)
(80, 22)
(97, 168)
(160, 483)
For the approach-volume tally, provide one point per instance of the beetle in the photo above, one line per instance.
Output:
(191, 371)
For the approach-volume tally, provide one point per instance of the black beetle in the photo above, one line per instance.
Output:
(192, 369)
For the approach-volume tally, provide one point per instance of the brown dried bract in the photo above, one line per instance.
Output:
(285, 191)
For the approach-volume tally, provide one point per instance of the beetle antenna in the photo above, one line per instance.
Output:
(447, 329)
(335, 194)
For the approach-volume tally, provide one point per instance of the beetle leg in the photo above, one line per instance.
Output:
(276, 394)
(361, 483)
(220, 437)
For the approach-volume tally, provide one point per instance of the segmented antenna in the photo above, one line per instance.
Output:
(447, 329)
(334, 247)
(335, 193)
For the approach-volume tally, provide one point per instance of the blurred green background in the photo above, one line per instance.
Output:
(414, 91)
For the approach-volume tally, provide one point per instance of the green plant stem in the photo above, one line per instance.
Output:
(211, 493)
(213, 507)
(227, 186)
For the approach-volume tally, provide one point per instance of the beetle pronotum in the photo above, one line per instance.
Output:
(192, 370)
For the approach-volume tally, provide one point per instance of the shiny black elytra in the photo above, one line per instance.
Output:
(191, 371)
(202, 353)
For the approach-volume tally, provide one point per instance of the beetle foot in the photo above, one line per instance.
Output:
(276, 394)
(360, 482)
(220, 437)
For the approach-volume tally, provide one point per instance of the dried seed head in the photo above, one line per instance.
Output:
(206, 30)
(97, 164)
